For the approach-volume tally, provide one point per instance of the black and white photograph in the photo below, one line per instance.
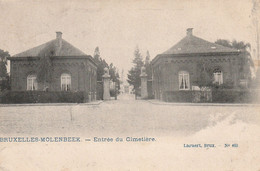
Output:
(129, 85)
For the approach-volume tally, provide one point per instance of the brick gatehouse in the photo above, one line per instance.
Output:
(177, 68)
(72, 70)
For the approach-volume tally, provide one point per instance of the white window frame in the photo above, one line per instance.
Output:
(218, 76)
(184, 80)
(32, 84)
(65, 82)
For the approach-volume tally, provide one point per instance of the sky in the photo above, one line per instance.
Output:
(117, 27)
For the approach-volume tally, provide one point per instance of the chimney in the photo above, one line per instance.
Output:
(58, 35)
(59, 43)
(189, 31)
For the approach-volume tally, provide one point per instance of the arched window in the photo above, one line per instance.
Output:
(32, 82)
(65, 82)
(218, 76)
(184, 80)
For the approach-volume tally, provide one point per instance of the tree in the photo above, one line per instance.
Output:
(97, 54)
(246, 62)
(134, 73)
(114, 76)
(3, 70)
(147, 65)
(4, 78)
(118, 81)
(204, 78)
(224, 42)
(45, 71)
(3, 62)
(101, 64)
(112, 72)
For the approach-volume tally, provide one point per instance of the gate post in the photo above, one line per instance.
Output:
(95, 96)
(144, 93)
(106, 80)
(89, 96)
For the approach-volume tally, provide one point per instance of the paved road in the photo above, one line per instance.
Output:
(171, 125)
(125, 116)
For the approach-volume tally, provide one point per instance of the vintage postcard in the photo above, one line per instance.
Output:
(129, 85)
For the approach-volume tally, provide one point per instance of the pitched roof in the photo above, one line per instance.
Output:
(56, 47)
(193, 44)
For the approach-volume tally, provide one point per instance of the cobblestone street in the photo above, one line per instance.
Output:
(125, 116)
(172, 125)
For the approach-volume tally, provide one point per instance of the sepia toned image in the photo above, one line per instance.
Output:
(129, 85)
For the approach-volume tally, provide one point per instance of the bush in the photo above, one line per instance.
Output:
(215, 96)
(233, 96)
(112, 92)
(137, 92)
(177, 96)
(43, 97)
(5, 83)
(150, 90)
(99, 90)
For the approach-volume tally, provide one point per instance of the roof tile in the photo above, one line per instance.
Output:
(193, 44)
(52, 48)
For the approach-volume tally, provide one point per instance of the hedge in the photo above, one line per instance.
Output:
(215, 96)
(99, 90)
(234, 96)
(43, 97)
(177, 96)
(150, 90)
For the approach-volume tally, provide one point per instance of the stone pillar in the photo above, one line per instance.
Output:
(106, 82)
(86, 97)
(144, 93)
(95, 96)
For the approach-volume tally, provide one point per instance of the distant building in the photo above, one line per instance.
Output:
(257, 74)
(257, 64)
(177, 69)
(72, 70)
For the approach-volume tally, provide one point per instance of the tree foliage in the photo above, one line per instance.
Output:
(3, 70)
(246, 62)
(96, 54)
(205, 76)
(45, 70)
(134, 73)
(4, 77)
(148, 66)
(224, 42)
(3, 62)
(113, 72)
(45, 67)
(102, 64)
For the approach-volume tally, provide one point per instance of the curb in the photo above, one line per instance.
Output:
(52, 104)
(91, 103)
(204, 104)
